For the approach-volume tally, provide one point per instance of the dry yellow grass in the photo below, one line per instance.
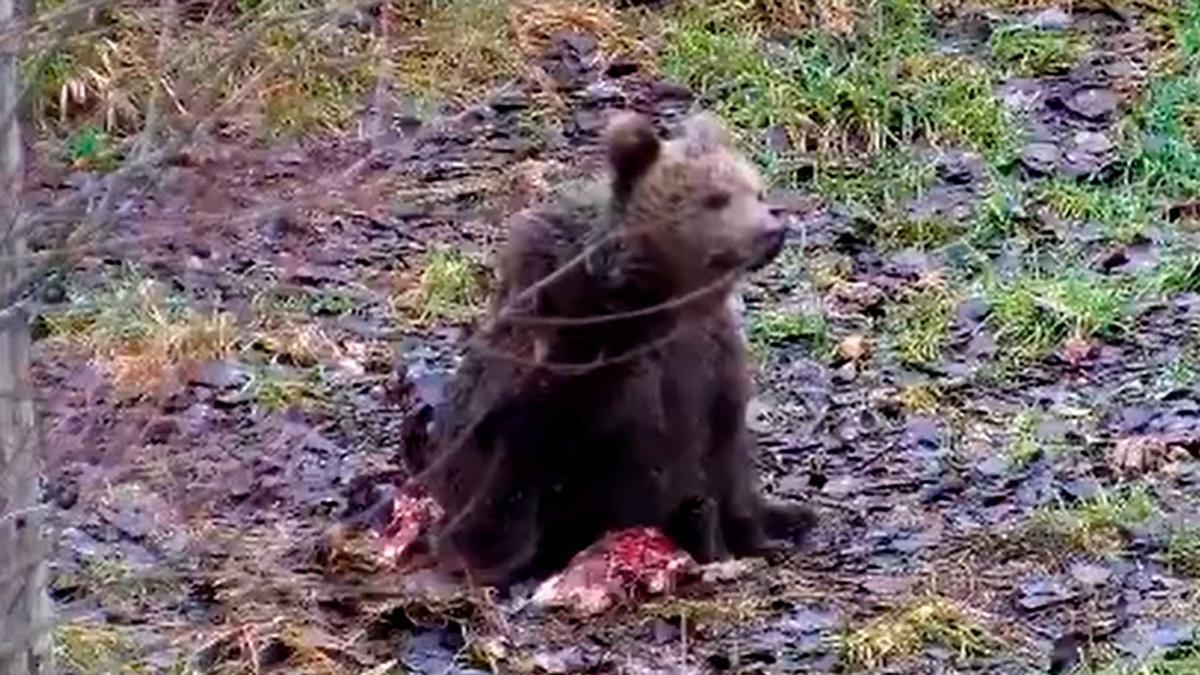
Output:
(903, 633)
(140, 339)
(837, 17)
(536, 22)
(144, 339)
(145, 364)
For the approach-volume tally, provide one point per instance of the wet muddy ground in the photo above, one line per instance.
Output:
(196, 521)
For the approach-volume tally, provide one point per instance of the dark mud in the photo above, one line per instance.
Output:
(212, 516)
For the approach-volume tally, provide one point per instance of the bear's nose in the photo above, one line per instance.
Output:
(768, 245)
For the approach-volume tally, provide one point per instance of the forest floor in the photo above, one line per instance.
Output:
(978, 356)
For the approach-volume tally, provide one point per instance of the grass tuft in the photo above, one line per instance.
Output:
(1096, 526)
(776, 328)
(140, 334)
(1032, 314)
(1023, 445)
(321, 79)
(1032, 52)
(1183, 552)
(1167, 160)
(885, 184)
(457, 50)
(903, 633)
(921, 320)
(92, 648)
(883, 88)
(1123, 212)
(452, 287)
(277, 389)
(1178, 272)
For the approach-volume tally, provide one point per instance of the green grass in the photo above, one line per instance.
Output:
(1030, 52)
(1023, 445)
(313, 77)
(452, 287)
(93, 648)
(884, 88)
(1096, 525)
(1033, 313)
(878, 189)
(309, 302)
(322, 78)
(1188, 30)
(90, 148)
(1166, 161)
(1183, 552)
(920, 323)
(902, 633)
(277, 388)
(1182, 662)
(920, 233)
(1177, 272)
(1001, 214)
(1123, 211)
(776, 328)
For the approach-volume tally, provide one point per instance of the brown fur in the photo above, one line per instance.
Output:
(533, 463)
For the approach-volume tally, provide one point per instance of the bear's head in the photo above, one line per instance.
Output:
(694, 204)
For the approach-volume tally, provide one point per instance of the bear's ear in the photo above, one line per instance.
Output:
(704, 133)
(632, 148)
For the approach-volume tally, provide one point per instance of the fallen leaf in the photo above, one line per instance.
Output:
(854, 348)
(1077, 350)
(1136, 455)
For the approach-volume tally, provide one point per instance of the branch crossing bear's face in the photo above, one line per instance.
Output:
(698, 199)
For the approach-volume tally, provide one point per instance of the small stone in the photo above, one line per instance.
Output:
(350, 366)
(219, 375)
(777, 139)
(957, 169)
(509, 100)
(602, 93)
(982, 346)
(992, 467)
(1051, 18)
(1021, 95)
(1041, 158)
(758, 415)
(729, 570)
(1093, 103)
(1092, 142)
(1145, 638)
(1082, 164)
(842, 487)
(887, 586)
(1081, 489)
(1089, 574)
(1042, 593)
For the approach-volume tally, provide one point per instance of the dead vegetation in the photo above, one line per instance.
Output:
(909, 403)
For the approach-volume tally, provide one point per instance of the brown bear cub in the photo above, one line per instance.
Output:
(614, 395)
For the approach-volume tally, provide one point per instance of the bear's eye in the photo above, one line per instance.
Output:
(716, 201)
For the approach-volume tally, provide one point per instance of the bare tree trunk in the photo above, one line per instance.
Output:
(24, 605)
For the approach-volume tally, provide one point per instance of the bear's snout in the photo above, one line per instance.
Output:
(768, 244)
